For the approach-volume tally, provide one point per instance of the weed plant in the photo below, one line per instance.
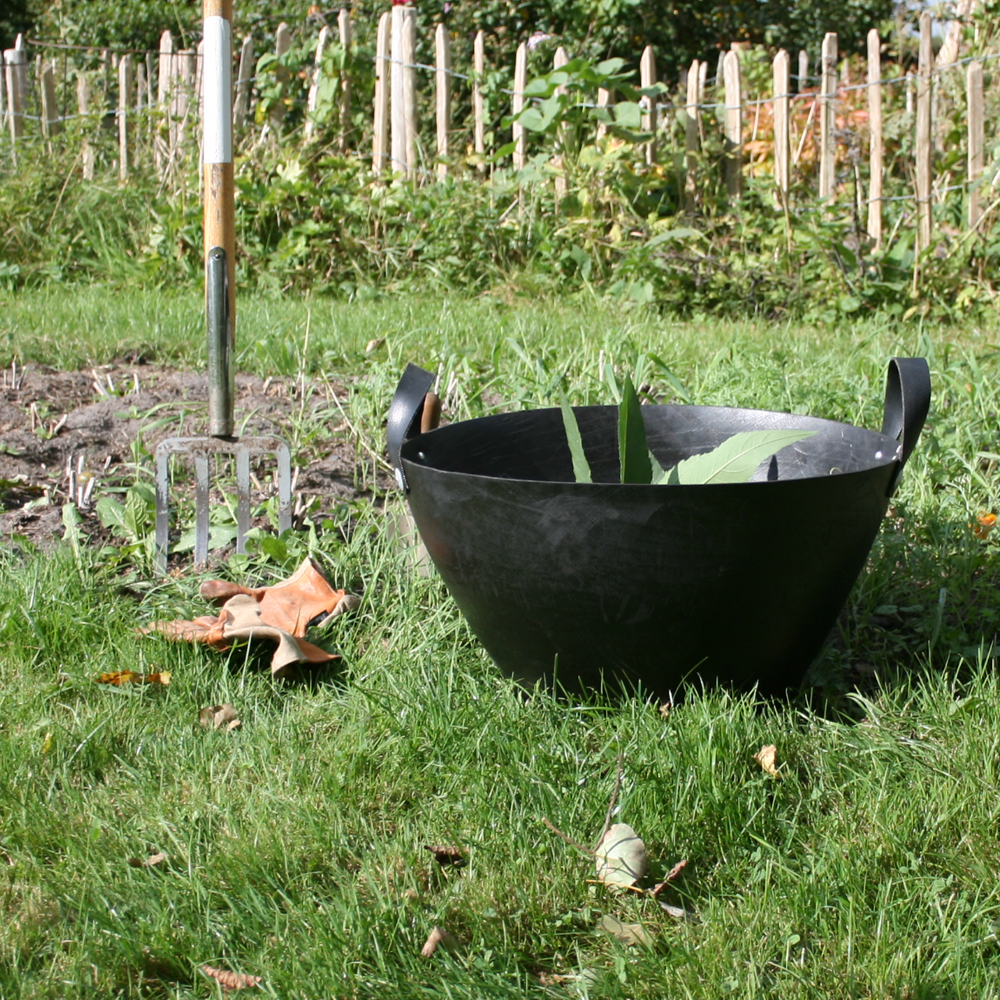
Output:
(295, 844)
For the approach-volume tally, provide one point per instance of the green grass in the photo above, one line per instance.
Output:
(295, 843)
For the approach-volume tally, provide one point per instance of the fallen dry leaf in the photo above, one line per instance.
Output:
(446, 856)
(232, 980)
(438, 936)
(620, 856)
(150, 862)
(218, 716)
(629, 934)
(671, 875)
(765, 757)
(119, 677)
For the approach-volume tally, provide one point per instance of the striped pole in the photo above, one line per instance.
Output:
(219, 213)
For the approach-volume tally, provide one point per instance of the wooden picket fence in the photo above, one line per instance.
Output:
(153, 100)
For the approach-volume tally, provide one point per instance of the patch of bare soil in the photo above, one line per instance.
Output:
(59, 430)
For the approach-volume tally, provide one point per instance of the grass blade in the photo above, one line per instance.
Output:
(581, 467)
(633, 453)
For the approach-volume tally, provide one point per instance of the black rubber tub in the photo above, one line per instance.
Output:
(604, 585)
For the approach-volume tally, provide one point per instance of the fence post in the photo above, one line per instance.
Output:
(478, 104)
(282, 43)
(734, 124)
(974, 90)
(803, 70)
(442, 80)
(312, 99)
(163, 126)
(647, 78)
(141, 105)
(380, 131)
(925, 65)
(603, 101)
(403, 100)
(344, 28)
(50, 113)
(13, 60)
(781, 75)
(517, 105)
(199, 92)
(559, 160)
(183, 84)
(876, 148)
(692, 137)
(22, 72)
(124, 94)
(83, 107)
(828, 94)
(244, 84)
(410, 86)
(3, 95)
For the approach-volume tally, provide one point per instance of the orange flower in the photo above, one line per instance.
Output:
(984, 524)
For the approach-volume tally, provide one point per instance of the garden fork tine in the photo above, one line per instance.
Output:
(220, 313)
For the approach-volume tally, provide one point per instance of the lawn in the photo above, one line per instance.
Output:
(295, 846)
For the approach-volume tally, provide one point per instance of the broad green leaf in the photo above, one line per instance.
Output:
(736, 459)
(581, 467)
(610, 66)
(628, 114)
(111, 514)
(539, 87)
(633, 453)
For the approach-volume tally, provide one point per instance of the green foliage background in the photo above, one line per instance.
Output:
(679, 31)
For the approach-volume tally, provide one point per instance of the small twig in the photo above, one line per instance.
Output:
(559, 833)
(614, 799)
(671, 875)
(618, 886)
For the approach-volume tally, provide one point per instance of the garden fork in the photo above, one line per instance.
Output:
(220, 314)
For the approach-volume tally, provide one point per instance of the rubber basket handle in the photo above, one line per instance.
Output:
(404, 414)
(907, 400)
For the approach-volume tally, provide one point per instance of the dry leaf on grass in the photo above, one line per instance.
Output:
(620, 857)
(766, 757)
(219, 716)
(447, 856)
(678, 912)
(119, 677)
(438, 936)
(626, 933)
(232, 980)
(150, 862)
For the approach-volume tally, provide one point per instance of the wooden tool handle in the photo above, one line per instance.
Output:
(430, 416)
